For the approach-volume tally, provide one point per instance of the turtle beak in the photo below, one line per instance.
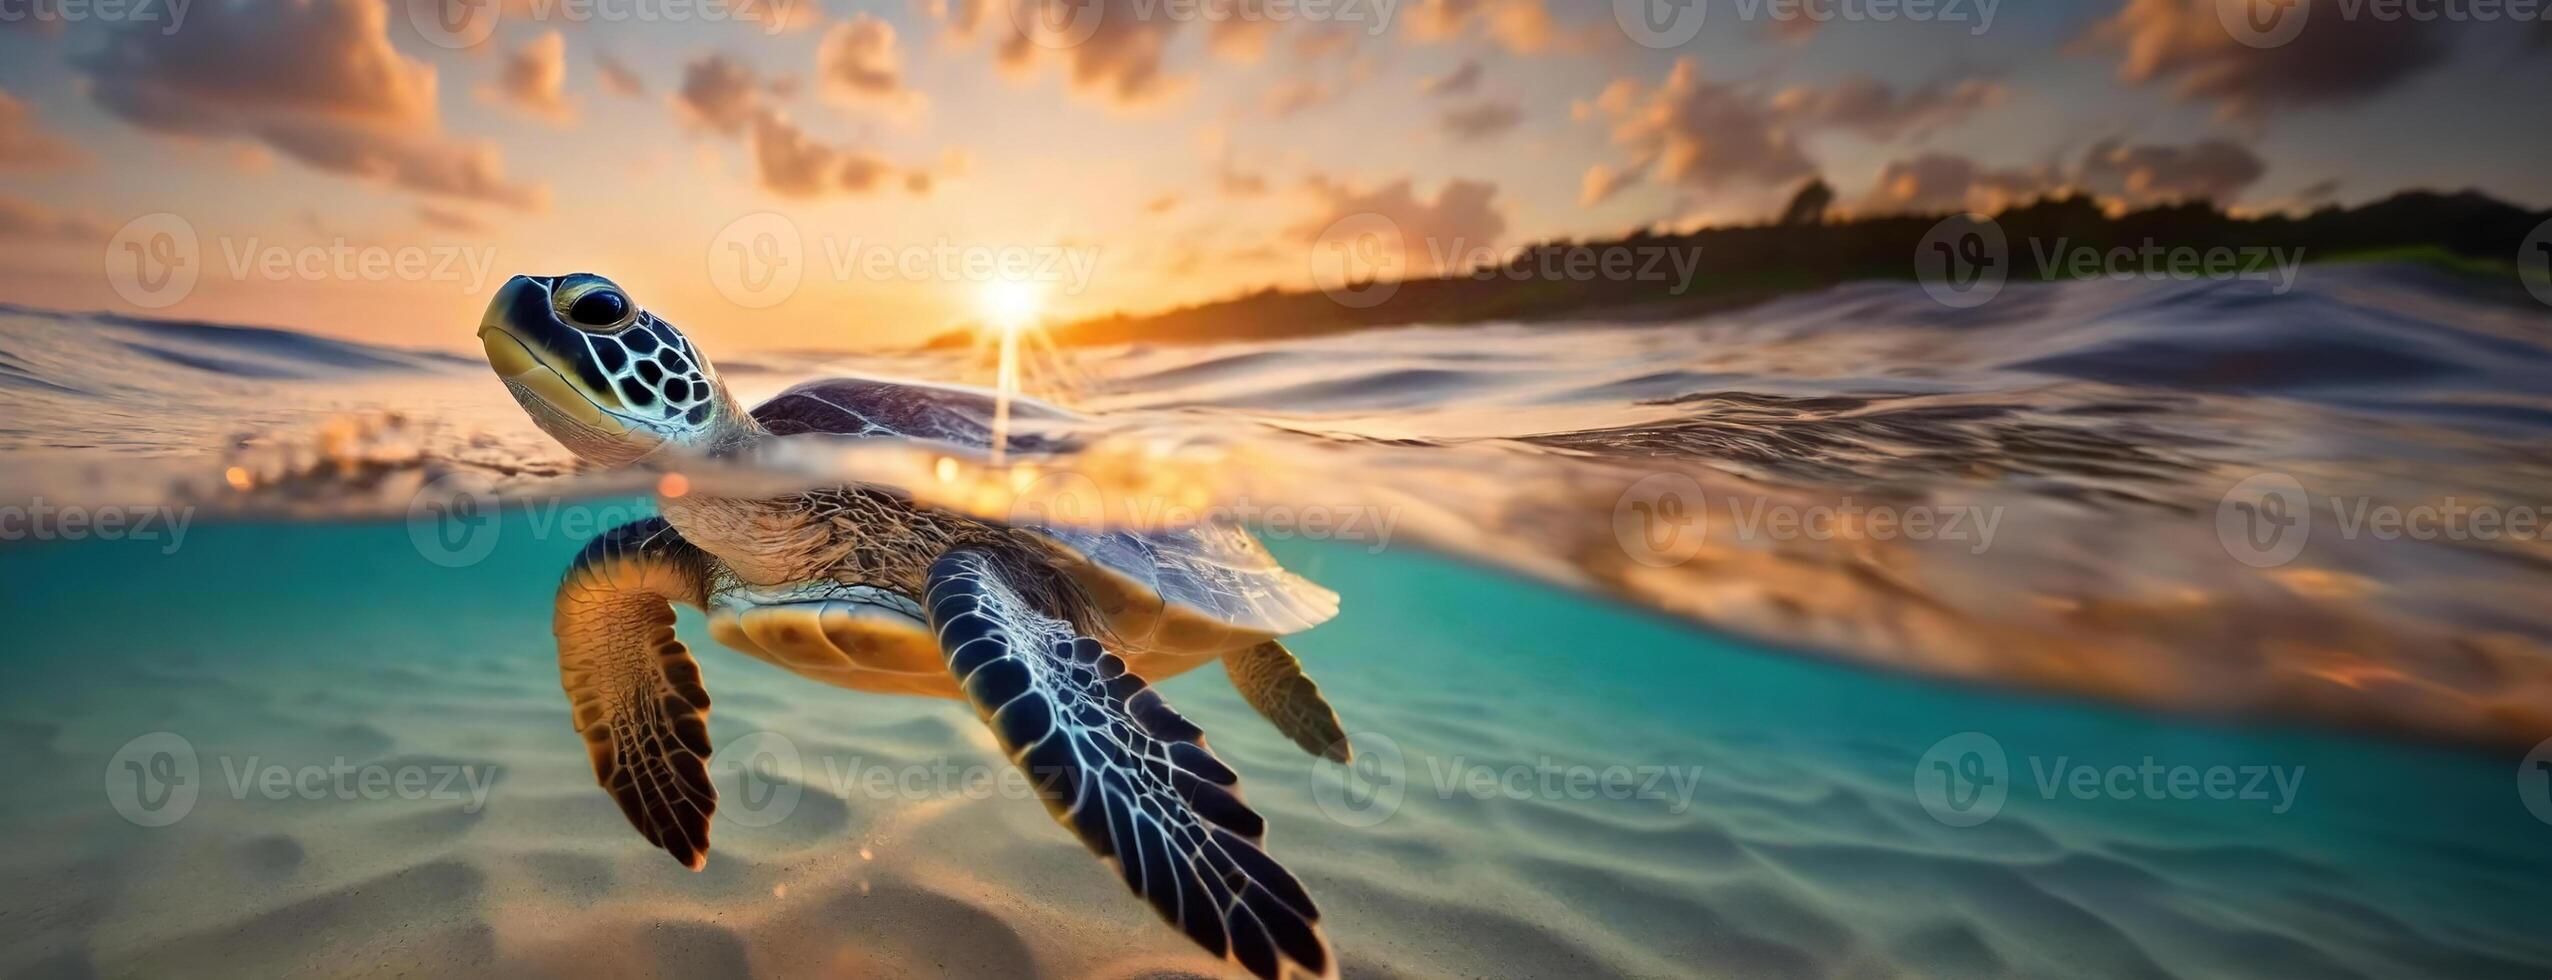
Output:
(514, 332)
(501, 329)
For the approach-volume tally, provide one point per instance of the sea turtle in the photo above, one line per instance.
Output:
(1054, 634)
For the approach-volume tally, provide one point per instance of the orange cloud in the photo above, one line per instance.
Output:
(1601, 183)
(857, 63)
(534, 80)
(2207, 170)
(1875, 109)
(2331, 60)
(1940, 182)
(791, 164)
(1434, 235)
(1111, 50)
(315, 80)
(1520, 26)
(722, 96)
(718, 94)
(2134, 175)
(1702, 134)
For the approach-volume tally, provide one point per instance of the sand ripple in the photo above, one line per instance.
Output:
(1795, 850)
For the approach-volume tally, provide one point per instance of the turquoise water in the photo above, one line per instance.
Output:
(2084, 474)
(2119, 738)
(1785, 832)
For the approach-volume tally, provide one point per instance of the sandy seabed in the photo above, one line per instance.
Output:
(1801, 849)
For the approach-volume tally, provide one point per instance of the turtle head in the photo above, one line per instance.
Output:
(603, 376)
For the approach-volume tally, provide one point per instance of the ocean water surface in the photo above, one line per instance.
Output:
(1613, 719)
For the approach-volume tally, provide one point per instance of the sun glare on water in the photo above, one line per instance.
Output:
(1010, 308)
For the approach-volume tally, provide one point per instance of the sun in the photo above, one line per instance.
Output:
(1011, 306)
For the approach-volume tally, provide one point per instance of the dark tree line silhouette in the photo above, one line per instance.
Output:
(1741, 265)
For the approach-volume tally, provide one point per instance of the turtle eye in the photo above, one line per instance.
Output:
(599, 308)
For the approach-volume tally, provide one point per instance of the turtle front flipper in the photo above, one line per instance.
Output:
(1120, 769)
(634, 689)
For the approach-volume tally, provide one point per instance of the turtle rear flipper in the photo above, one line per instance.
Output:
(1273, 682)
(1120, 769)
(634, 689)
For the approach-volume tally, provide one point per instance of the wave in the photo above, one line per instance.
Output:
(2074, 451)
(99, 353)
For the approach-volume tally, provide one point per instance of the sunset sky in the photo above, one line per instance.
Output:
(1179, 159)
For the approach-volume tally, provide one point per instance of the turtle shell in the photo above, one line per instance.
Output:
(904, 409)
(1206, 587)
